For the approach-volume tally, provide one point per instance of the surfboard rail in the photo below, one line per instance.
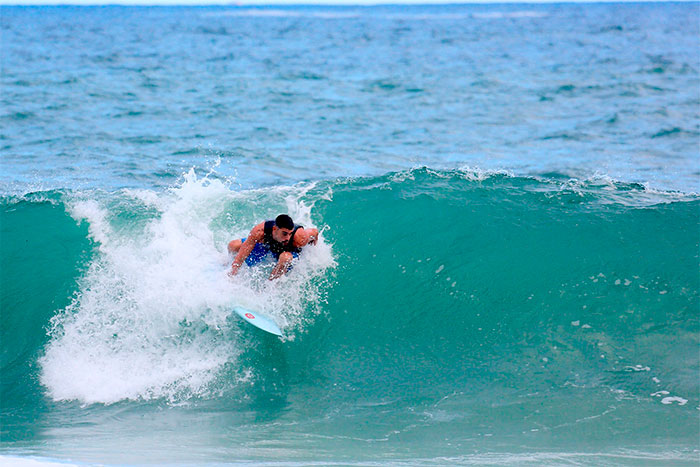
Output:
(259, 320)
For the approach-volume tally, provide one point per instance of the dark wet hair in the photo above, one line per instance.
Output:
(283, 221)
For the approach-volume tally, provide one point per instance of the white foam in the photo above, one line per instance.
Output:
(637, 368)
(98, 226)
(147, 197)
(640, 195)
(476, 174)
(15, 461)
(152, 317)
(671, 400)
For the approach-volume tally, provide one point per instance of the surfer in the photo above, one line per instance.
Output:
(281, 238)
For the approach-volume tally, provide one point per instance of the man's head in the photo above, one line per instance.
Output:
(283, 228)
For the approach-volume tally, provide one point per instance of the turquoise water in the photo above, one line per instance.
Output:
(506, 275)
(565, 329)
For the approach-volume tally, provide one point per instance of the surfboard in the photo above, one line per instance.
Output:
(258, 320)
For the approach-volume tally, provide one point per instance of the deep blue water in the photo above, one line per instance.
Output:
(508, 271)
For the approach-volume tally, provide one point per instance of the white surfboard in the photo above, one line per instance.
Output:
(258, 320)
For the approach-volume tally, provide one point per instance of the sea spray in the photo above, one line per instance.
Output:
(152, 318)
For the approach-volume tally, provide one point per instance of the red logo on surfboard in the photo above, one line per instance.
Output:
(250, 316)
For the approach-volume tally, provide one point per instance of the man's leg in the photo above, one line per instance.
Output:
(234, 246)
(282, 265)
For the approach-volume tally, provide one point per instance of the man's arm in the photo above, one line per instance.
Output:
(304, 237)
(256, 235)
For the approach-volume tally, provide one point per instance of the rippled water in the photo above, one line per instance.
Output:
(122, 96)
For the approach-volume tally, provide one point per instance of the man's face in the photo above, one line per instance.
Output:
(281, 235)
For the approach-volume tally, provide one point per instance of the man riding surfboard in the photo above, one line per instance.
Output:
(280, 238)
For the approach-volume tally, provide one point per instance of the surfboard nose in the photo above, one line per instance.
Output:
(259, 320)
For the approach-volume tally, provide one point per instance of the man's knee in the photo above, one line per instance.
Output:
(234, 246)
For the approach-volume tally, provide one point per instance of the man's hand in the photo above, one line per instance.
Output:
(313, 236)
(234, 269)
(305, 237)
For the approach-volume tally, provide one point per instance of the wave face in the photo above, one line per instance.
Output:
(464, 310)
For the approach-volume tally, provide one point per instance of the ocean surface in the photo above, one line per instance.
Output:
(508, 271)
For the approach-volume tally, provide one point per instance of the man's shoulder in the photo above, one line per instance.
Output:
(258, 230)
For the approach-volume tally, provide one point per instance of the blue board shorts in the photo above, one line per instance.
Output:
(260, 252)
